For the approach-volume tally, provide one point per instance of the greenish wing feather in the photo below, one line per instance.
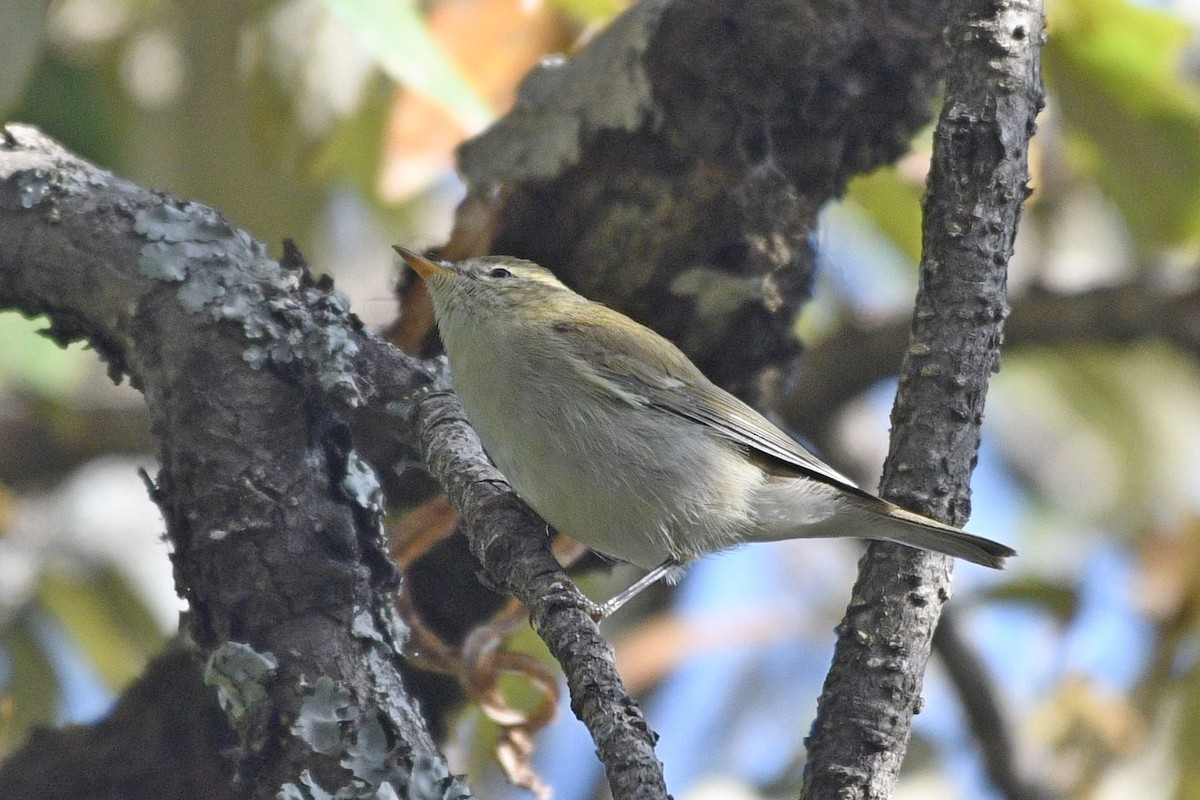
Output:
(665, 379)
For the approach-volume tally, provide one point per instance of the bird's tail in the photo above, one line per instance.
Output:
(883, 520)
(791, 509)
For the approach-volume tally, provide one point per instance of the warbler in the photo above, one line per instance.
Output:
(618, 440)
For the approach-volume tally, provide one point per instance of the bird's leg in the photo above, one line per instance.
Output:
(650, 578)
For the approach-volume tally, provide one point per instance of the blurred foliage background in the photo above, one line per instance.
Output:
(334, 122)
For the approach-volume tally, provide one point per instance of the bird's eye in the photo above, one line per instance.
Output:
(499, 272)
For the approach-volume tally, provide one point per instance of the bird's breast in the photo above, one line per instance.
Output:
(629, 481)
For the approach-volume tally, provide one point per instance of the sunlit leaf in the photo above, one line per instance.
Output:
(1187, 745)
(35, 362)
(1059, 600)
(32, 689)
(893, 204)
(1117, 73)
(1103, 431)
(355, 148)
(493, 44)
(107, 620)
(76, 105)
(591, 10)
(395, 34)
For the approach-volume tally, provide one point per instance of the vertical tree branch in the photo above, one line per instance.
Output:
(976, 186)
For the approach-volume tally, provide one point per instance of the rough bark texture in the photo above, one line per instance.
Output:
(274, 519)
(675, 168)
(976, 186)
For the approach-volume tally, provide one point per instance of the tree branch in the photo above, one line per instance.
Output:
(243, 446)
(274, 519)
(168, 718)
(976, 187)
(498, 527)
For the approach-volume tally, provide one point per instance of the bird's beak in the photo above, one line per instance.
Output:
(422, 265)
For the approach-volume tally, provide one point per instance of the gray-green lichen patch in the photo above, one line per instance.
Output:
(426, 779)
(367, 757)
(361, 485)
(332, 724)
(321, 716)
(40, 169)
(563, 103)
(223, 272)
(395, 626)
(33, 186)
(308, 790)
(363, 626)
(430, 780)
(239, 673)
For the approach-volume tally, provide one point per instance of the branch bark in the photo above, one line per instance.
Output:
(690, 191)
(273, 516)
(168, 718)
(498, 526)
(976, 186)
(274, 519)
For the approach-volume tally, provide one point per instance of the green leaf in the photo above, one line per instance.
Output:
(78, 105)
(1059, 600)
(894, 205)
(354, 149)
(591, 10)
(395, 34)
(1119, 422)
(1187, 743)
(35, 362)
(33, 687)
(1132, 119)
(107, 620)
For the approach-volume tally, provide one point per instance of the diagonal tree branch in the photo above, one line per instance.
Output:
(273, 516)
(675, 167)
(168, 717)
(976, 187)
(522, 566)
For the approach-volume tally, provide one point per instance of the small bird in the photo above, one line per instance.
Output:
(617, 439)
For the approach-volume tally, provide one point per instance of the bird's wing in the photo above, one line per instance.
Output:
(666, 380)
